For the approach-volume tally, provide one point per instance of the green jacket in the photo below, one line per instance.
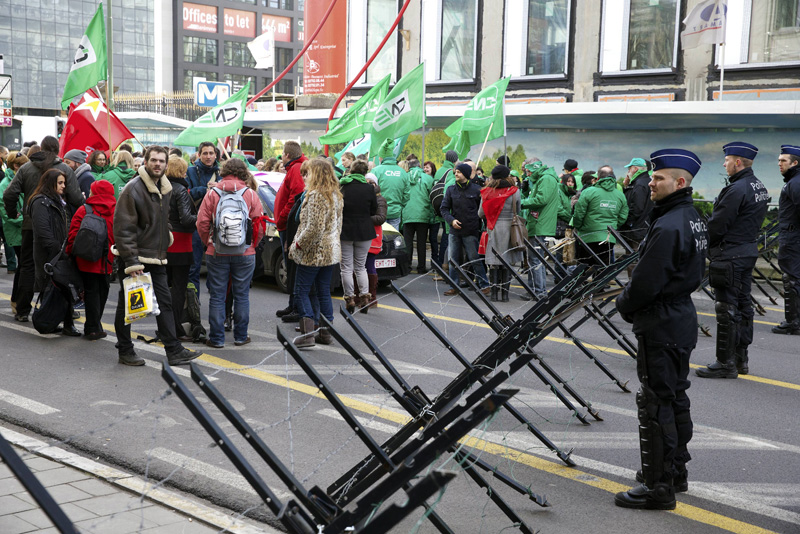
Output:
(418, 209)
(599, 207)
(394, 184)
(119, 177)
(543, 202)
(12, 228)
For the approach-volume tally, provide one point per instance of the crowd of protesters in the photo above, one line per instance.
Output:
(161, 215)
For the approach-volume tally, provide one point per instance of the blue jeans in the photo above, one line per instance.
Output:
(395, 223)
(537, 276)
(470, 244)
(320, 279)
(220, 269)
(198, 250)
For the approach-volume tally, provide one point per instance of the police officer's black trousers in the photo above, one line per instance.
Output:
(665, 423)
(737, 296)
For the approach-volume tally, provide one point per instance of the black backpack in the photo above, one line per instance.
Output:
(437, 194)
(91, 241)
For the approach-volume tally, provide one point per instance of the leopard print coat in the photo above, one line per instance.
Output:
(316, 243)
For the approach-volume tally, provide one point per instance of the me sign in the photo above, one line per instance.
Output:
(210, 94)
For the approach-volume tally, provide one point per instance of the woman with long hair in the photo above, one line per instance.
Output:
(183, 220)
(316, 248)
(48, 215)
(98, 161)
(360, 204)
(499, 202)
(120, 172)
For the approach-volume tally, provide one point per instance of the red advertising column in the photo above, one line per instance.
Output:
(325, 61)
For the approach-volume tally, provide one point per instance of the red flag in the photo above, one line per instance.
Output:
(87, 127)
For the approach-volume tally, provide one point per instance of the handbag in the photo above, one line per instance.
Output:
(50, 310)
(65, 274)
(519, 231)
(483, 243)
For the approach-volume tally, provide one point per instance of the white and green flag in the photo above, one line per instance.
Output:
(358, 118)
(403, 110)
(91, 60)
(221, 121)
(483, 120)
(362, 145)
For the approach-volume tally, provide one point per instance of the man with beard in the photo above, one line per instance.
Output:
(141, 237)
(789, 232)
(24, 183)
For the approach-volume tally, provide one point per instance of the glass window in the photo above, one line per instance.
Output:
(239, 80)
(639, 35)
(380, 16)
(238, 55)
(767, 35)
(537, 42)
(189, 74)
(457, 58)
(283, 56)
(285, 86)
(200, 50)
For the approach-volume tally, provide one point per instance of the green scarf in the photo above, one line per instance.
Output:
(344, 180)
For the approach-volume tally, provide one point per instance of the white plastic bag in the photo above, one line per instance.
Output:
(140, 299)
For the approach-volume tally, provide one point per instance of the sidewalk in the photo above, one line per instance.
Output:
(101, 499)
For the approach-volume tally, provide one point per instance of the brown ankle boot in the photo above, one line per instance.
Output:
(350, 303)
(306, 340)
(324, 337)
(373, 290)
(363, 302)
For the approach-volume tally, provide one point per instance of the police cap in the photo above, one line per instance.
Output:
(743, 150)
(790, 149)
(676, 158)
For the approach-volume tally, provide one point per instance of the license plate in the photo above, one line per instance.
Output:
(389, 262)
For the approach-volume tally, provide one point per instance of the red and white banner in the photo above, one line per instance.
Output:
(199, 18)
(281, 27)
(240, 23)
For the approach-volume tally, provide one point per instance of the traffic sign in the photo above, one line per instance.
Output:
(5, 113)
(210, 94)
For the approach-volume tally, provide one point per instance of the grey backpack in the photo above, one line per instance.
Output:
(233, 229)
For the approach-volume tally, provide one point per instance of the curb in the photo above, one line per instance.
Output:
(133, 483)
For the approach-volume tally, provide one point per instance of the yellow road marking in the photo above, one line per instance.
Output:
(693, 513)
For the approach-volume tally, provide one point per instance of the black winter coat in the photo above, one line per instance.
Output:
(788, 223)
(49, 224)
(182, 213)
(672, 259)
(27, 178)
(461, 201)
(360, 205)
(736, 220)
(639, 207)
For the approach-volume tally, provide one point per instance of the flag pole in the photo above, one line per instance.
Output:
(224, 150)
(423, 145)
(109, 75)
(488, 133)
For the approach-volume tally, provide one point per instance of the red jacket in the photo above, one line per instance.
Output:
(292, 186)
(208, 210)
(102, 205)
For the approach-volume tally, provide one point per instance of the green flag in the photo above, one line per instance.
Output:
(403, 110)
(358, 118)
(91, 60)
(221, 121)
(483, 120)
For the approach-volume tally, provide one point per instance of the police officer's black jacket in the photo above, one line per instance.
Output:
(789, 211)
(789, 224)
(639, 206)
(736, 221)
(657, 300)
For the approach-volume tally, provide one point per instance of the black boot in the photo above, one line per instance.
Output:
(791, 304)
(680, 482)
(741, 360)
(725, 366)
(661, 497)
(494, 283)
(505, 284)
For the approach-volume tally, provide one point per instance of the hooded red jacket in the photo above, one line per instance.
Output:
(102, 205)
(291, 186)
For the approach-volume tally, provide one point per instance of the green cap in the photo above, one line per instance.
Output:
(515, 174)
(533, 166)
(636, 162)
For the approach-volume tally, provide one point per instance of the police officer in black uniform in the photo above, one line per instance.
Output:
(733, 231)
(658, 302)
(789, 239)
